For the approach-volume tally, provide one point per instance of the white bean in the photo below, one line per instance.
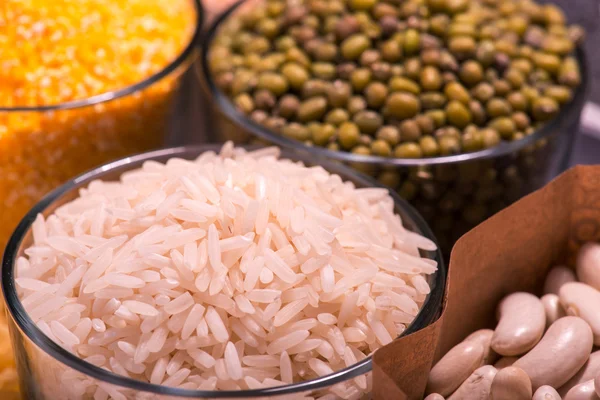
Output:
(456, 366)
(434, 396)
(521, 324)
(557, 277)
(583, 301)
(477, 386)
(553, 308)
(588, 265)
(583, 391)
(511, 383)
(590, 370)
(546, 393)
(562, 352)
(484, 337)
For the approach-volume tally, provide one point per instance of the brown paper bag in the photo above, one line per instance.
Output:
(512, 251)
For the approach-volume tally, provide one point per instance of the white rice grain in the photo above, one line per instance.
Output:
(263, 295)
(383, 336)
(352, 334)
(46, 307)
(326, 350)
(39, 230)
(31, 284)
(202, 328)
(221, 370)
(140, 308)
(232, 362)
(269, 313)
(320, 368)
(236, 242)
(420, 284)
(214, 252)
(278, 266)
(327, 278)
(83, 329)
(290, 311)
(148, 276)
(177, 378)
(305, 346)
(253, 273)
(176, 322)
(97, 359)
(327, 318)
(175, 363)
(158, 339)
(159, 371)
(244, 304)
(202, 358)
(286, 368)
(179, 304)
(192, 320)
(287, 341)
(124, 280)
(216, 325)
(63, 334)
(266, 276)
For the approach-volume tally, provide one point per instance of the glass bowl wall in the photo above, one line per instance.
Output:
(453, 193)
(46, 369)
(43, 147)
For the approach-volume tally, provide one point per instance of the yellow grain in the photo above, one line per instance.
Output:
(52, 52)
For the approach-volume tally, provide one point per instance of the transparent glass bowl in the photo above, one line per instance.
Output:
(46, 369)
(42, 147)
(453, 193)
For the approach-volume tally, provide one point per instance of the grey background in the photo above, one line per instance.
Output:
(587, 14)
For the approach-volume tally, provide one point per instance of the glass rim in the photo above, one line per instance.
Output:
(429, 312)
(104, 97)
(226, 106)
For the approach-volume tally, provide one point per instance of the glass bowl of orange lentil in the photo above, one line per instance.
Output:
(82, 83)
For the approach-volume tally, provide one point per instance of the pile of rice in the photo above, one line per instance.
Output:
(235, 271)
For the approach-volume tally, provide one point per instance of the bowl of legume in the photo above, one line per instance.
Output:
(83, 83)
(462, 106)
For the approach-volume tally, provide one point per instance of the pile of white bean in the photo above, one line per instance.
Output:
(542, 348)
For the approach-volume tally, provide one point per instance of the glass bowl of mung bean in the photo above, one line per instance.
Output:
(463, 107)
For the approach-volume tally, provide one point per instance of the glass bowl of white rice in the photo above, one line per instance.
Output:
(209, 272)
